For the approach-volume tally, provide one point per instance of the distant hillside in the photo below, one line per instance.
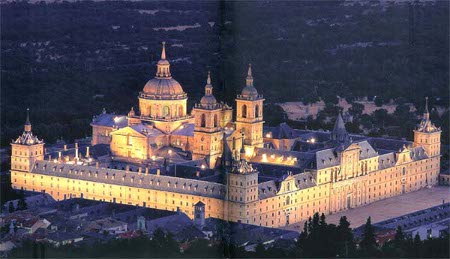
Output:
(68, 60)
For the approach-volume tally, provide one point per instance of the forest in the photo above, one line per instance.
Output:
(68, 60)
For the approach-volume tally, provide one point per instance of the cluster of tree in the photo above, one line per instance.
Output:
(11, 195)
(318, 239)
(67, 71)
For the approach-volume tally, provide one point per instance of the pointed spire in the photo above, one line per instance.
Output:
(226, 152)
(242, 147)
(249, 79)
(27, 122)
(163, 66)
(163, 52)
(208, 86)
(426, 114)
(208, 80)
(339, 132)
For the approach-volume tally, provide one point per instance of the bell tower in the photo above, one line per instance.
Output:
(207, 130)
(26, 149)
(428, 135)
(249, 113)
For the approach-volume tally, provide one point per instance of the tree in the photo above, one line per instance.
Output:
(368, 244)
(11, 207)
(399, 237)
(356, 110)
(260, 250)
(379, 101)
(22, 204)
(344, 238)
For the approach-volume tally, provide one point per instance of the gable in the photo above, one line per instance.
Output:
(128, 131)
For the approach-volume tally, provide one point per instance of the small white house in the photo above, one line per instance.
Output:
(433, 230)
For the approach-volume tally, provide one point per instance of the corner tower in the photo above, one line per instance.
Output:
(207, 130)
(26, 149)
(249, 113)
(428, 135)
(242, 181)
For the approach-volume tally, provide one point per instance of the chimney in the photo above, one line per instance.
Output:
(178, 210)
(76, 151)
(65, 147)
(127, 168)
(140, 170)
(49, 157)
(197, 173)
(87, 151)
(59, 155)
(146, 170)
(158, 172)
(96, 164)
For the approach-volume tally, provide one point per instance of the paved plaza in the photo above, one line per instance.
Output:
(389, 208)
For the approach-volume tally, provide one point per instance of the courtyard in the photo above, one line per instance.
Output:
(388, 208)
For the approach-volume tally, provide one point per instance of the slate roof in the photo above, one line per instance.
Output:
(110, 120)
(35, 200)
(133, 179)
(418, 153)
(270, 188)
(329, 157)
(282, 131)
(180, 225)
(27, 138)
(388, 144)
(185, 130)
(60, 236)
(106, 223)
(386, 161)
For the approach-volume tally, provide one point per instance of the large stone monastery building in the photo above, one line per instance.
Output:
(161, 156)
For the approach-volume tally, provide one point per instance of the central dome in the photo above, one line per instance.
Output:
(163, 87)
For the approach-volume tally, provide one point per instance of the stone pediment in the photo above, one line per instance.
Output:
(351, 147)
(129, 131)
(287, 184)
(403, 156)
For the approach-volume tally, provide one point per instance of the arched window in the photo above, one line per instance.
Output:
(244, 111)
(166, 111)
(288, 186)
(203, 120)
(215, 120)
(149, 109)
(256, 111)
(180, 111)
(288, 200)
(404, 170)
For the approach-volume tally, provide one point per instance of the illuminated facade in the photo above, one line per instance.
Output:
(241, 171)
